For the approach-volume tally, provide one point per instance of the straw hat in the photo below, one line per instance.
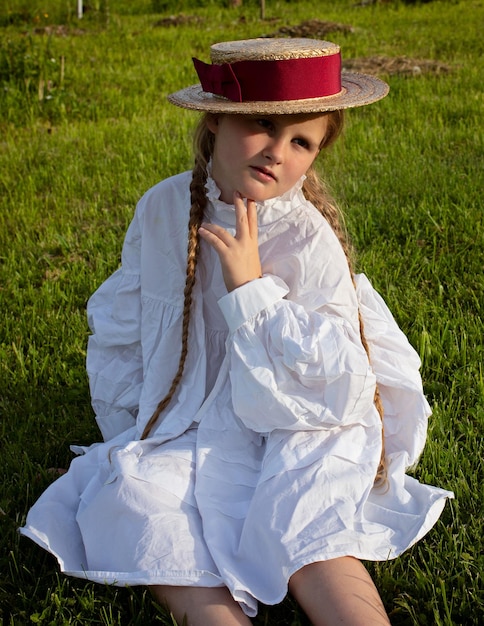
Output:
(271, 76)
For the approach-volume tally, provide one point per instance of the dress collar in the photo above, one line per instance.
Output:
(268, 211)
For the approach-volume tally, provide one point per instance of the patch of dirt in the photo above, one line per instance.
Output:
(60, 30)
(375, 65)
(315, 29)
(390, 66)
(177, 20)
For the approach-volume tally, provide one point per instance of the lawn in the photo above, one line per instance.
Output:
(85, 129)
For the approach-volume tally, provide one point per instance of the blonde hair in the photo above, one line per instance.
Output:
(315, 192)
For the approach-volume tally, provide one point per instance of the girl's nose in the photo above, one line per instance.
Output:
(274, 150)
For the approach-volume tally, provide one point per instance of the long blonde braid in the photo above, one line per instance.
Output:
(204, 143)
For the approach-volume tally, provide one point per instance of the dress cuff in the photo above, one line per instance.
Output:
(245, 302)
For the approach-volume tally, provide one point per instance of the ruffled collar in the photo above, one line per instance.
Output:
(268, 211)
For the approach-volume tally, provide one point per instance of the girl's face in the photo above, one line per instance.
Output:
(263, 156)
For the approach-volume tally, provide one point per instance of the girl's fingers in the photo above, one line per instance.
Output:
(215, 234)
(240, 215)
(252, 218)
(239, 255)
(213, 240)
(246, 217)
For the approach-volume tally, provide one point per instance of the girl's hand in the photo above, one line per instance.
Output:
(239, 255)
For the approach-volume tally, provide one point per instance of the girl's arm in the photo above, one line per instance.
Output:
(291, 367)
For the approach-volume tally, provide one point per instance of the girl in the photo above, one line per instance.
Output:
(258, 404)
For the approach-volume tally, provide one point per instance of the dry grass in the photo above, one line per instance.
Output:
(316, 29)
(395, 66)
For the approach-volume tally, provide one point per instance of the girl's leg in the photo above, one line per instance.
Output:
(339, 591)
(201, 606)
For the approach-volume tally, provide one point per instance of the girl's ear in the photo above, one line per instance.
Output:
(212, 122)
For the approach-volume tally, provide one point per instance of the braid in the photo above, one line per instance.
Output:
(381, 474)
(315, 191)
(199, 201)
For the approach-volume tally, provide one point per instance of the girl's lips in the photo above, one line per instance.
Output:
(264, 171)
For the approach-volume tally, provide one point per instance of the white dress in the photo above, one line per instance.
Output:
(265, 459)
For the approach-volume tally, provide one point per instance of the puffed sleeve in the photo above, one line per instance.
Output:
(397, 368)
(114, 356)
(294, 367)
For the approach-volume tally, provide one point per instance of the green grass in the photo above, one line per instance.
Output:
(85, 129)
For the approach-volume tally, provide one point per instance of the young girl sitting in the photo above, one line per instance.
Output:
(259, 405)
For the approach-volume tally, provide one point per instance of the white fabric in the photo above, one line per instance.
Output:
(265, 459)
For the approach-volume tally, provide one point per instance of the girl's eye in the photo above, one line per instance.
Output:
(301, 142)
(267, 124)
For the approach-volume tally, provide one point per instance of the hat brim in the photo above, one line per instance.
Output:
(357, 90)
